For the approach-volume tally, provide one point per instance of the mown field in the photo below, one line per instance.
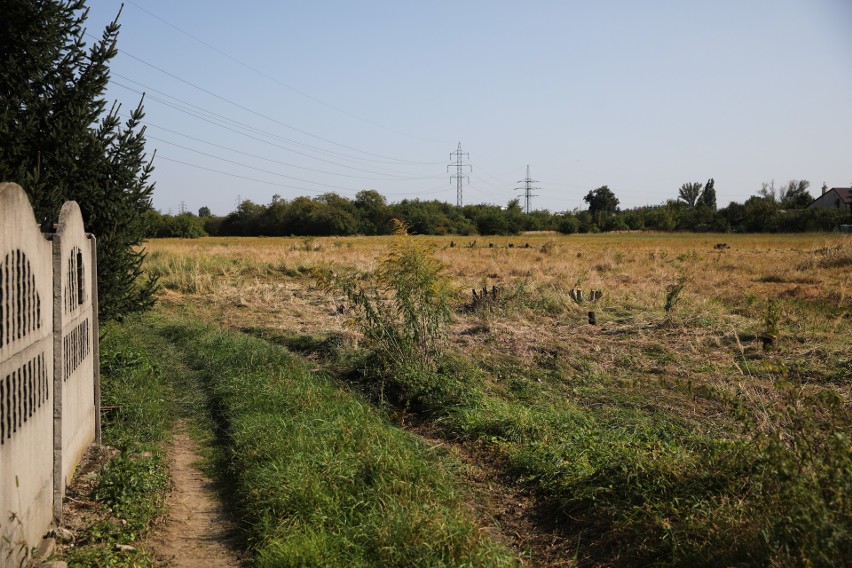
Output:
(704, 419)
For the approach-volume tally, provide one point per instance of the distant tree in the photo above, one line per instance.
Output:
(515, 217)
(708, 195)
(586, 222)
(244, 221)
(689, 193)
(274, 218)
(761, 214)
(767, 191)
(58, 141)
(213, 225)
(541, 220)
(795, 195)
(568, 224)
(329, 220)
(373, 213)
(489, 219)
(668, 216)
(153, 221)
(432, 217)
(183, 226)
(635, 219)
(299, 217)
(601, 200)
(204, 212)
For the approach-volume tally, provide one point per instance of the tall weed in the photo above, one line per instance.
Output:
(403, 313)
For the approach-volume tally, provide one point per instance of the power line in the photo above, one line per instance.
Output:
(236, 163)
(433, 191)
(270, 77)
(240, 128)
(270, 160)
(233, 175)
(459, 175)
(257, 113)
(472, 186)
(528, 189)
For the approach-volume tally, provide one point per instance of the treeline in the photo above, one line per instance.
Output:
(781, 210)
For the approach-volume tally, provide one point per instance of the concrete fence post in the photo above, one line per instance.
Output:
(96, 335)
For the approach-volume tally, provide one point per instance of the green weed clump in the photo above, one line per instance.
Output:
(405, 309)
(402, 311)
(319, 478)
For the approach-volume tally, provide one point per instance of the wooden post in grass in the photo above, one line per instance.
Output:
(579, 298)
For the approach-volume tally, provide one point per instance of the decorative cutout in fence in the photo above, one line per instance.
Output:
(48, 352)
(75, 292)
(19, 300)
(75, 348)
(22, 393)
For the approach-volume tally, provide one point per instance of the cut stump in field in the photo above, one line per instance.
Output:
(197, 531)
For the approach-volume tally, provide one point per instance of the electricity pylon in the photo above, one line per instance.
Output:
(459, 175)
(528, 189)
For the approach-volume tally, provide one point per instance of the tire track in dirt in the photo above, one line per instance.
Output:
(197, 531)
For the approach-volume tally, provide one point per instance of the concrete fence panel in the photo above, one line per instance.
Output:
(49, 371)
(73, 347)
(26, 377)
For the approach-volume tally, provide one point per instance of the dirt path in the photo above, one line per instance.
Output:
(197, 531)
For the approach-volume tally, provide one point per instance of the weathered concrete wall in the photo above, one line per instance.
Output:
(73, 347)
(26, 378)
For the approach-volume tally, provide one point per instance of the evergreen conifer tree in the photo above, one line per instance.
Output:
(59, 141)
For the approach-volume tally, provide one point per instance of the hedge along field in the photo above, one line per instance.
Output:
(704, 420)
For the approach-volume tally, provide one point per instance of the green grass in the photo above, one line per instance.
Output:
(626, 471)
(132, 487)
(319, 477)
(314, 474)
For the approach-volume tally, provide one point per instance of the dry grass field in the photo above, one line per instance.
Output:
(703, 419)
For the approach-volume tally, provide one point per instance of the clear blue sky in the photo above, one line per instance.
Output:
(344, 96)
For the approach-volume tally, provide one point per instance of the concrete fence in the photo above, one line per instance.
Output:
(49, 375)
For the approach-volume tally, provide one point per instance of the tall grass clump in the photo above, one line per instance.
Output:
(673, 296)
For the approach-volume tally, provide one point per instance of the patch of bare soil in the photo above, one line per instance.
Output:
(197, 531)
(512, 513)
(79, 509)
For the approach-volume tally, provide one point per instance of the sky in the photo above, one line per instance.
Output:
(252, 99)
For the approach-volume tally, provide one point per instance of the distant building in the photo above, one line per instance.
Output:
(834, 198)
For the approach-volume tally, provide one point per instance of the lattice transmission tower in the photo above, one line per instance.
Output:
(459, 175)
(527, 189)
